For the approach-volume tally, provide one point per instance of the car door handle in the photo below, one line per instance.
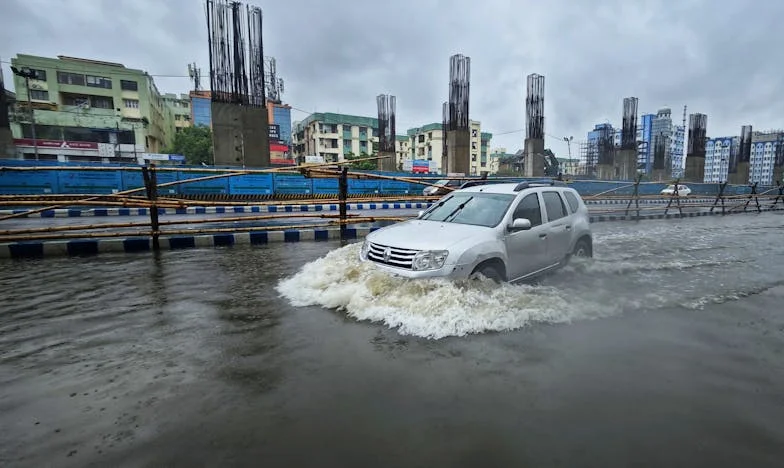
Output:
(568, 228)
(542, 235)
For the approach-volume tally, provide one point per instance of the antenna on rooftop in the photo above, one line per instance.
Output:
(195, 74)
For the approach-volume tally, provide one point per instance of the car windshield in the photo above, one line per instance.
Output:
(670, 187)
(442, 182)
(479, 209)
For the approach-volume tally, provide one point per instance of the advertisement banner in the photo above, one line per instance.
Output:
(421, 166)
(81, 145)
(274, 132)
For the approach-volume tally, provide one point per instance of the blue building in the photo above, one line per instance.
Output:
(281, 116)
(201, 108)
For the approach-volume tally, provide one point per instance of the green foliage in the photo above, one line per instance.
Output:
(364, 165)
(195, 143)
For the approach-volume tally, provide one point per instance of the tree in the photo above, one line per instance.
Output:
(364, 165)
(195, 143)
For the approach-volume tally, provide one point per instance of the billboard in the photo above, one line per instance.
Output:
(420, 166)
(81, 145)
(274, 132)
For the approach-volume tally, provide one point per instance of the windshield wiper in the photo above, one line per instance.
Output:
(456, 210)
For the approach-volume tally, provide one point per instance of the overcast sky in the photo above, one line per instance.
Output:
(720, 57)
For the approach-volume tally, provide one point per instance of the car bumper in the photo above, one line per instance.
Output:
(452, 272)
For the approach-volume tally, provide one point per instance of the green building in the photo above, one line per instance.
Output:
(88, 110)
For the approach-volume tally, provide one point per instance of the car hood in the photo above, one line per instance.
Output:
(425, 235)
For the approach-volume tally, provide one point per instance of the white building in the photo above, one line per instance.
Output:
(763, 156)
(334, 136)
(427, 143)
(718, 152)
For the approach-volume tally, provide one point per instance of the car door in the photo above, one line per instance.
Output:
(558, 226)
(526, 249)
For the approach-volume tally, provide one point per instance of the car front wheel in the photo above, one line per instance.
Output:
(582, 249)
(488, 271)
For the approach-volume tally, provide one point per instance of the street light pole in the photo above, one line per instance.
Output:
(26, 73)
(568, 141)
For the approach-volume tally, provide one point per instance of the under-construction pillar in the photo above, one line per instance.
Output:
(695, 152)
(458, 155)
(533, 164)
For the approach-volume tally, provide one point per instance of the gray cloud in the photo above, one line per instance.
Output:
(718, 57)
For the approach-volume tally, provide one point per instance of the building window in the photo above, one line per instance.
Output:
(131, 103)
(102, 102)
(99, 82)
(421, 138)
(429, 135)
(39, 95)
(70, 78)
(75, 99)
(39, 75)
(129, 85)
(177, 117)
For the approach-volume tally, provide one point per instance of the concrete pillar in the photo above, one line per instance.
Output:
(605, 172)
(458, 155)
(741, 175)
(6, 141)
(695, 169)
(625, 165)
(660, 175)
(533, 163)
(778, 175)
(389, 164)
(240, 135)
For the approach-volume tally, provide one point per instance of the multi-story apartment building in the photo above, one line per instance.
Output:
(718, 153)
(764, 146)
(334, 136)
(181, 108)
(201, 108)
(402, 150)
(650, 128)
(88, 110)
(427, 143)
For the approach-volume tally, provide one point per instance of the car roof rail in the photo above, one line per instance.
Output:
(552, 183)
(474, 183)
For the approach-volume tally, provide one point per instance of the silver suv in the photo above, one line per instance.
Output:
(504, 232)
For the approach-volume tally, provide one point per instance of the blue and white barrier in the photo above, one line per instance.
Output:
(38, 249)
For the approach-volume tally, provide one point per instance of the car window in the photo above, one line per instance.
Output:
(479, 209)
(554, 206)
(574, 204)
(529, 209)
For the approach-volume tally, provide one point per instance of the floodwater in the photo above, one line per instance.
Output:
(666, 350)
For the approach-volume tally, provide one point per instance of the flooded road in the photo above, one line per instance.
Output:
(666, 350)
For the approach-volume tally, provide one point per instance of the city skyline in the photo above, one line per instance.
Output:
(610, 51)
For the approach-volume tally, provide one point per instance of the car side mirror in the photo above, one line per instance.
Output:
(520, 224)
(421, 212)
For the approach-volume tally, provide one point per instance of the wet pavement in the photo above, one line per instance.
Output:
(667, 349)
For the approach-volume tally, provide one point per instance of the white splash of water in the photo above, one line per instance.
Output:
(430, 308)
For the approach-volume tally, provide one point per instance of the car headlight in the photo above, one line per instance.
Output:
(429, 260)
(365, 248)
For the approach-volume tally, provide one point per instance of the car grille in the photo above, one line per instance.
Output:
(401, 258)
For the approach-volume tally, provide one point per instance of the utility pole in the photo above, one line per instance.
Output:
(26, 73)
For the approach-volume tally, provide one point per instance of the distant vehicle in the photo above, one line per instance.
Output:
(451, 183)
(504, 232)
(683, 190)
